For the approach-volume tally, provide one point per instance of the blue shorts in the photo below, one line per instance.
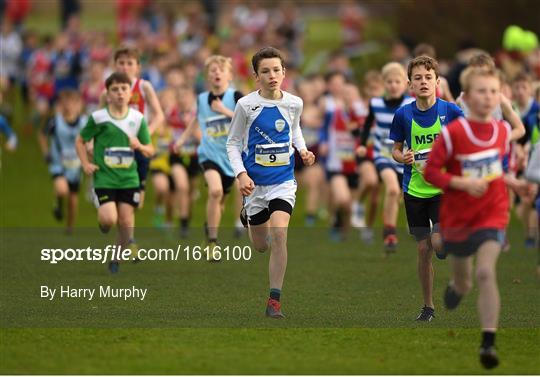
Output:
(73, 176)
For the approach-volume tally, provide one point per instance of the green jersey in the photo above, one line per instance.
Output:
(112, 153)
(419, 129)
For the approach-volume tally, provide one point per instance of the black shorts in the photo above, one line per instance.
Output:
(420, 211)
(226, 181)
(143, 165)
(169, 177)
(130, 196)
(274, 205)
(190, 163)
(352, 178)
(72, 186)
(361, 160)
(473, 242)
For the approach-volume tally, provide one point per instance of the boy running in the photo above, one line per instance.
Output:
(57, 143)
(466, 162)
(144, 99)
(381, 110)
(215, 109)
(418, 125)
(117, 131)
(264, 129)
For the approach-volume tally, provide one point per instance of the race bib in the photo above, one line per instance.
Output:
(162, 146)
(119, 157)
(218, 126)
(71, 161)
(345, 147)
(272, 154)
(386, 148)
(190, 147)
(485, 164)
(420, 159)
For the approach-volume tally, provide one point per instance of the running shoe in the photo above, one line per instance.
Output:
(273, 309)
(426, 315)
(390, 244)
(451, 298)
(488, 357)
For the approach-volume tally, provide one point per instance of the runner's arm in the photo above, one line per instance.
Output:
(235, 141)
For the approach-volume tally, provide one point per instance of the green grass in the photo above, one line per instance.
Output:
(260, 351)
(349, 310)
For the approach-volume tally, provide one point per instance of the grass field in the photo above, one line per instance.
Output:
(350, 310)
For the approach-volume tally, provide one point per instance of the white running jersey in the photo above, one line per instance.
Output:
(262, 135)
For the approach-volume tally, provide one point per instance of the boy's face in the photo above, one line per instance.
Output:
(127, 65)
(96, 70)
(185, 98)
(522, 92)
(175, 79)
(270, 74)
(423, 82)
(71, 107)
(119, 94)
(336, 85)
(218, 75)
(167, 99)
(483, 95)
(374, 88)
(395, 85)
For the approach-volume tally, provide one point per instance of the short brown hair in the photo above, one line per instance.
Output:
(425, 49)
(470, 72)
(117, 78)
(428, 62)
(330, 75)
(130, 52)
(482, 59)
(65, 94)
(373, 75)
(522, 76)
(266, 53)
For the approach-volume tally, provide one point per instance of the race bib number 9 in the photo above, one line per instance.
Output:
(218, 126)
(272, 154)
(119, 157)
(420, 159)
(485, 164)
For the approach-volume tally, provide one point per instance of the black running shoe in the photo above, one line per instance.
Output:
(104, 229)
(426, 315)
(441, 255)
(58, 213)
(488, 357)
(184, 232)
(451, 298)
